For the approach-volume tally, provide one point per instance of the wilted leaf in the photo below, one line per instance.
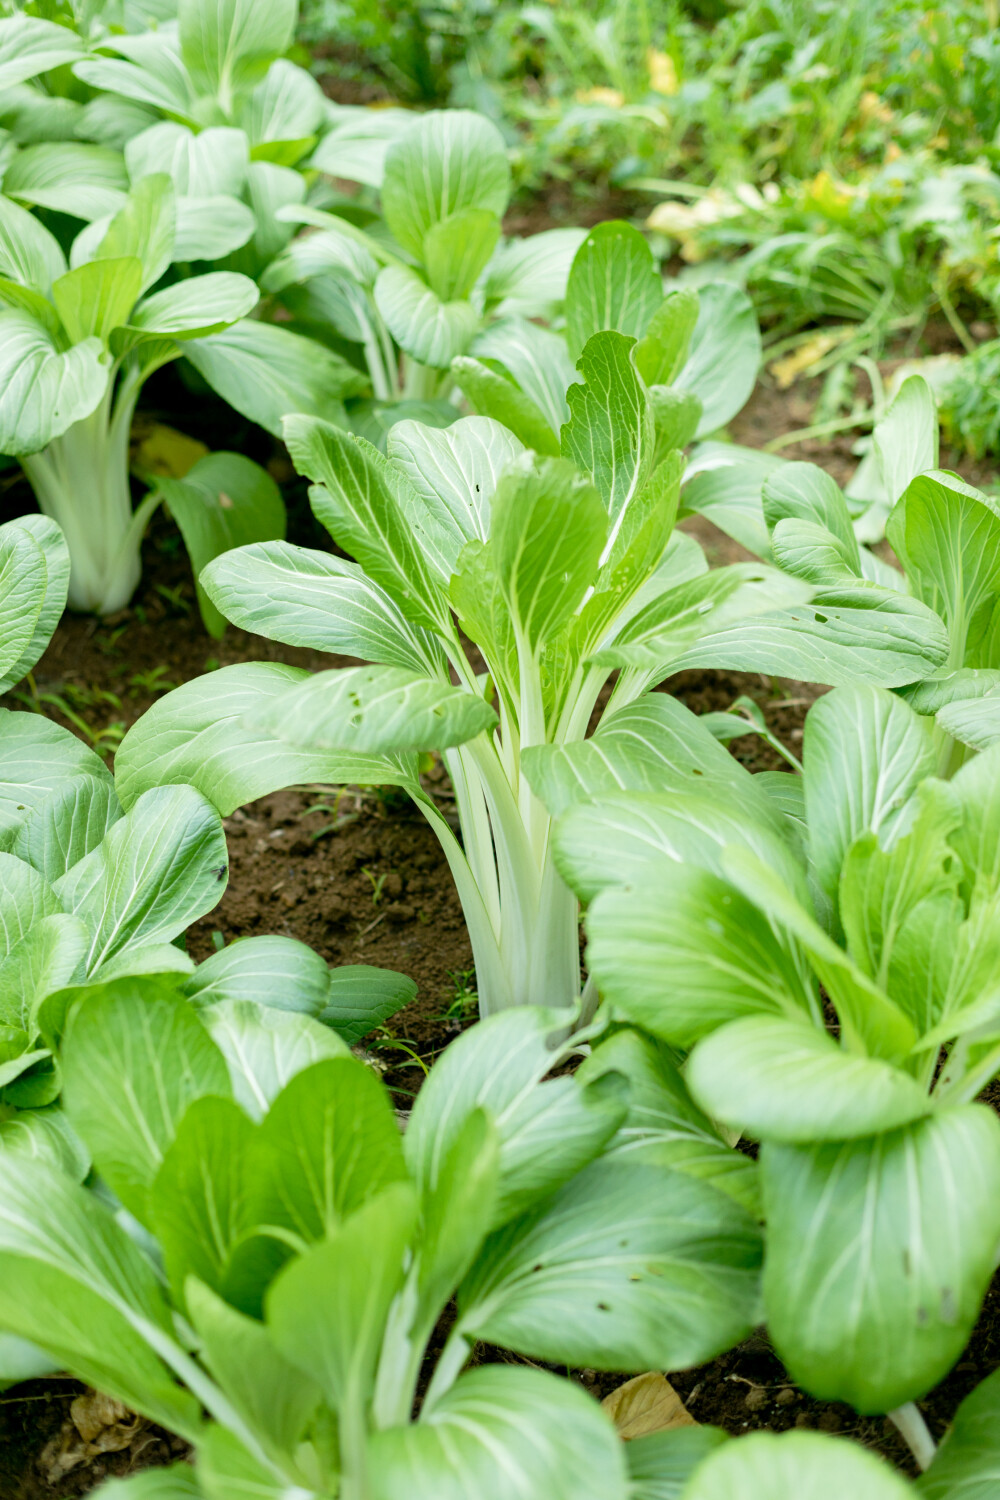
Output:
(647, 1403)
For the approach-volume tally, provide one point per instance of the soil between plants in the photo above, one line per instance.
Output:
(361, 878)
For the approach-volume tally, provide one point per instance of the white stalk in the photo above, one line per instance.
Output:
(911, 1426)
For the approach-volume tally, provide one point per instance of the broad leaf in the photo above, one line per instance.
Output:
(724, 356)
(613, 284)
(316, 599)
(843, 1219)
(272, 970)
(610, 431)
(686, 952)
(265, 372)
(134, 1057)
(43, 391)
(781, 1080)
(374, 710)
(455, 470)
(447, 161)
(660, 1463)
(223, 501)
(795, 1466)
(30, 46)
(553, 1439)
(155, 872)
(497, 397)
(628, 1266)
(431, 331)
(83, 181)
(75, 1284)
(228, 44)
(967, 1464)
(193, 308)
(196, 735)
(265, 1047)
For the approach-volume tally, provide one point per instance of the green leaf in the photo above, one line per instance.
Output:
(29, 253)
(455, 470)
(223, 501)
(432, 331)
(143, 229)
(948, 537)
(547, 1131)
(199, 1208)
(795, 1466)
(210, 228)
(456, 249)
(781, 1080)
(967, 1463)
(554, 1439)
(844, 1219)
(25, 898)
(905, 440)
(449, 160)
(805, 492)
(197, 735)
(622, 838)
(371, 510)
(374, 710)
(686, 952)
(228, 44)
(662, 351)
(46, 958)
(627, 1267)
(315, 599)
(83, 181)
(43, 391)
(97, 297)
(497, 397)
(278, 971)
(724, 356)
(327, 1310)
(134, 1057)
(328, 1144)
(655, 744)
(287, 106)
(265, 372)
(535, 359)
(613, 284)
(457, 1211)
(61, 1252)
(361, 997)
(193, 308)
(610, 431)
(37, 758)
(34, 579)
(176, 1483)
(275, 1399)
(30, 46)
(663, 1125)
(265, 1047)
(973, 721)
(44, 1135)
(527, 276)
(723, 484)
(661, 1463)
(892, 751)
(842, 635)
(153, 874)
(202, 164)
(549, 527)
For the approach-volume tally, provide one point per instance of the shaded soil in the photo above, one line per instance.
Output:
(359, 876)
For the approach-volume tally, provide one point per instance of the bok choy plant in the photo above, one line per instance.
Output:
(560, 569)
(714, 931)
(431, 279)
(76, 346)
(297, 1253)
(946, 535)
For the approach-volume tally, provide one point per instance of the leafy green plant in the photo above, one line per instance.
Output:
(432, 277)
(76, 346)
(945, 533)
(714, 922)
(559, 569)
(308, 1251)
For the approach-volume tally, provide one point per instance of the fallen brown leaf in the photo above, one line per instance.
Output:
(647, 1403)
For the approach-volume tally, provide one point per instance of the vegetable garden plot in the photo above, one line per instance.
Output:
(208, 1210)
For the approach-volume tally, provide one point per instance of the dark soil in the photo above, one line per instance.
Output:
(358, 875)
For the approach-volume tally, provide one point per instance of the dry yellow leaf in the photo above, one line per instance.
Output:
(662, 73)
(613, 98)
(786, 371)
(648, 1403)
(163, 450)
